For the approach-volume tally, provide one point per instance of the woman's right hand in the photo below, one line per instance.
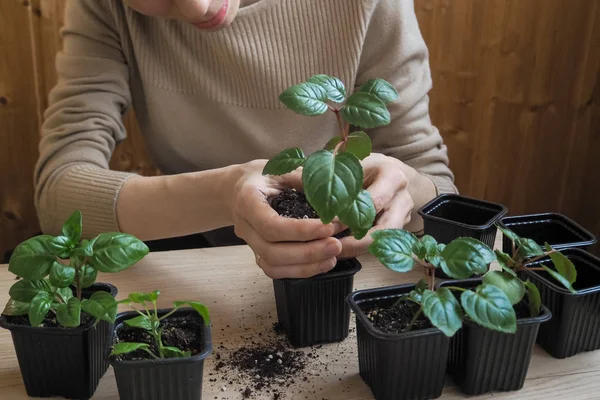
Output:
(284, 247)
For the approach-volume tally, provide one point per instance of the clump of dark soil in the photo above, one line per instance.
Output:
(185, 333)
(49, 322)
(396, 319)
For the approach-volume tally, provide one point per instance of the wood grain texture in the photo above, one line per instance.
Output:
(241, 302)
(516, 98)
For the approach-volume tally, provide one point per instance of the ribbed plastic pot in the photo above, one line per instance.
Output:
(575, 324)
(450, 216)
(484, 361)
(166, 379)
(62, 362)
(314, 311)
(558, 230)
(406, 366)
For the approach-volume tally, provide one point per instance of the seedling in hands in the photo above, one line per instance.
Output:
(149, 320)
(462, 258)
(525, 253)
(332, 178)
(49, 281)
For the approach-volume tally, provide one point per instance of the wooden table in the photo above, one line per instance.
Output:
(242, 305)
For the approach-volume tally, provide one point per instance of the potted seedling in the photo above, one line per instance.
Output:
(569, 285)
(158, 354)
(313, 310)
(404, 331)
(60, 319)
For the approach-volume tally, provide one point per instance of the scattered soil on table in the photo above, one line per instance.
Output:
(293, 204)
(185, 333)
(396, 319)
(49, 322)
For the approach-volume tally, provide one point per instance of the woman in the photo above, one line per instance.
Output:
(204, 77)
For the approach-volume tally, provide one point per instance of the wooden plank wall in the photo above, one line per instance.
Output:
(516, 97)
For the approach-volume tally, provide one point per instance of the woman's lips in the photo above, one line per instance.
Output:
(218, 18)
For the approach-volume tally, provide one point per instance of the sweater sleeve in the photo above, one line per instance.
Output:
(394, 50)
(83, 122)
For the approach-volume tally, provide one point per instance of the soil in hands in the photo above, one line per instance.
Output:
(185, 333)
(291, 203)
(396, 319)
(49, 322)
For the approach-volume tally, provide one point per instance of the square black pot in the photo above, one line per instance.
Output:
(62, 362)
(314, 311)
(450, 216)
(406, 366)
(558, 230)
(483, 361)
(166, 379)
(575, 325)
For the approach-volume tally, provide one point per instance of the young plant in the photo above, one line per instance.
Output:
(332, 178)
(149, 321)
(462, 258)
(526, 252)
(56, 269)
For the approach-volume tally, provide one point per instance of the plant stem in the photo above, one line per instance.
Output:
(456, 288)
(336, 111)
(412, 322)
(403, 298)
(78, 284)
(168, 314)
(536, 269)
(151, 353)
(534, 259)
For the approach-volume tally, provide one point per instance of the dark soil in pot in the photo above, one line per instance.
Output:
(395, 318)
(61, 362)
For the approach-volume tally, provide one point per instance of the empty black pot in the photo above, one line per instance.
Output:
(314, 310)
(406, 366)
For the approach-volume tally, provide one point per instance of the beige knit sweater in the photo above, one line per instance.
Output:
(206, 100)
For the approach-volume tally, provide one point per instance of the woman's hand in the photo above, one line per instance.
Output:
(393, 186)
(284, 247)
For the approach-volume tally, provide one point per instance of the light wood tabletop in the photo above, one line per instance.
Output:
(242, 306)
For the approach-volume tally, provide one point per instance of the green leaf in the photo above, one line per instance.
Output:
(137, 297)
(32, 259)
(505, 262)
(39, 307)
(101, 305)
(72, 227)
(114, 252)
(61, 275)
(421, 286)
(65, 294)
(561, 279)
(416, 296)
(563, 265)
(128, 347)
(441, 247)
(141, 321)
(331, 183)
(359, 217)
(333, 86)
(380, 88)
(436, 261)
(529, 248)
(330, 146)
(174, 352)
(199, 307)
(286, 161)
(15, 308)
(486, 253)
(24, 290)
(393, 248)
(306, 98)
(508, 233)
(443, 310)
(461, 260)
(419, 250)
(60, 246)
(489, 307)
(533, 298)
(430, 245)
(513, 287)
(365, 110)
(69, 315)
(88, 276)
(359, 144)
(84, 249)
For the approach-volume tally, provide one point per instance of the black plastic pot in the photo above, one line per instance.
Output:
(450, 216)
(166, 379)
(62, 362)
(556, 229)
(314, 310)
(406, 366)
(575, 325)
(483, 361)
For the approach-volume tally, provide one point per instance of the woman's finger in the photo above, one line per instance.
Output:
(296, 271)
